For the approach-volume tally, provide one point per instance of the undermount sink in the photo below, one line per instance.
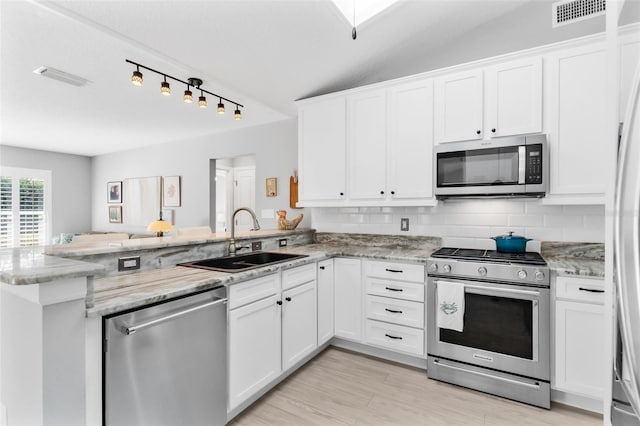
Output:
(242, 262)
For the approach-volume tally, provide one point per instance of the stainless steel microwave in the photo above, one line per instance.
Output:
(506, 167)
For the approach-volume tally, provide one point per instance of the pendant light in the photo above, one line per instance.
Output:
(202, 100)
(136, 77)
(165, 89)
(220, 107)
(237, 114)
(188, 96)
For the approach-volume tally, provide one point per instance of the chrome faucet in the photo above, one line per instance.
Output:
(232, 241)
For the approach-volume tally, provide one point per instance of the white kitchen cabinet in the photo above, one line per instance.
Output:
(299, 323)
(322, 150)
(579, 143)
(410, 147)
(325, 301)
(254, 348)
(458, 104)
(348, 298)
(367, 142)
(579, 334)
(514, 98)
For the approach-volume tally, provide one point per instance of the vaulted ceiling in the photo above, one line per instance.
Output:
(264, 54)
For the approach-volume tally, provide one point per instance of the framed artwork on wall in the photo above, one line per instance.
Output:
(171, 191)
(272, 187)
(115, 214)
(114, 192)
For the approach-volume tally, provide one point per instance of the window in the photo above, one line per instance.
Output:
(25, 218)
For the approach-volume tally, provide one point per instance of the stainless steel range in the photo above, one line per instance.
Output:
(501, 344)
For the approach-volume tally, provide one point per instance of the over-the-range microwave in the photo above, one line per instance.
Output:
(506, 167)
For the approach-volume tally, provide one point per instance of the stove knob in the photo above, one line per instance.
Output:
(482, 271)
(433, 267)
(446, 268)
(539, 275)
(522, 274)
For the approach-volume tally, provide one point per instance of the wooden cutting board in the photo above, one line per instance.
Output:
(293, 193)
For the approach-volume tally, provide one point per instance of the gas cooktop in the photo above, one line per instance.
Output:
(479, 255)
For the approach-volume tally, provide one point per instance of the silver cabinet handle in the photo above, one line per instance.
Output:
(128, 330)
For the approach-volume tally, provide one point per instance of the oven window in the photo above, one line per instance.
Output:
(497, 324)
(491, 166)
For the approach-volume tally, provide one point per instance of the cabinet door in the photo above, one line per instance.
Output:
(254, 348)
(410, 145)
(348, 298)
(367, 123)
(578, 138)
(325, 301)
(458, 107)
(580, 354)
(514, 98)
(299, 323)
(322, 150)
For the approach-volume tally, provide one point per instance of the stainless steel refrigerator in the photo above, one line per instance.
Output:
(625, 404)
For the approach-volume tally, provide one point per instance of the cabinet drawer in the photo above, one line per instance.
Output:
(249, 291)
(395, 337)
(299, 275)
(395, 271)
(396, 289)
(396, 311)
(580, 289)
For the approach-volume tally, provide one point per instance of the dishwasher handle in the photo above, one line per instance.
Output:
(130, 329)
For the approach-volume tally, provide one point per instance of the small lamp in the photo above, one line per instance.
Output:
(159, 226)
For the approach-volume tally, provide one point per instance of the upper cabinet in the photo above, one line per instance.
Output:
(321, 150)
(501, 100)
(458, 107)
(577, 131)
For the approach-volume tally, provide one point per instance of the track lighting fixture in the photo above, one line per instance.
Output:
(136, 78)
(165, 89)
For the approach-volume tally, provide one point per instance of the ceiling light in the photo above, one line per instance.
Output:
(188, 96)
(165, 89)
(62, 76)
(202, 101)
(136, 78)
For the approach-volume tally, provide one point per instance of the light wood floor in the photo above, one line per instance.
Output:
(344, 388)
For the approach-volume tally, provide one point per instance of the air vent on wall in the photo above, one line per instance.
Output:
(570, 11)
(62, 76)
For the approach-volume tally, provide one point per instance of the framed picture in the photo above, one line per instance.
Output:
(115, 214)
(114, 192)
(272, 187)
(171, 191)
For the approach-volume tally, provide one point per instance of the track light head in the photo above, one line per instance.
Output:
(220, 107)
(136, 78)
(202, 101)
(188, 96)
(165, 89)
(237, 114)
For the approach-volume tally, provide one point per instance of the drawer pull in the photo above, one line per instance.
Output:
(590, 290)
(394, 270)
(393, 337)
(394, 289)
(322, 267)
(392, 311)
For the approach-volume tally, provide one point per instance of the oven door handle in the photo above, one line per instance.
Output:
(498, 289)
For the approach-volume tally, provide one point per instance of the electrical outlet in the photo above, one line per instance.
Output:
(128, 263)
(282, 242)
(404, 224)
(256, 246)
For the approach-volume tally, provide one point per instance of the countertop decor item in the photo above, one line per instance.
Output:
(511, 243)
(285, 224)
(159, 226)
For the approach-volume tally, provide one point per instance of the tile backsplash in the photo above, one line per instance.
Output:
(470, 218)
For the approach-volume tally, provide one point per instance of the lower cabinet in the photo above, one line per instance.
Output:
(579, 333)
(348, 298)
(325, 300)
(299, 324)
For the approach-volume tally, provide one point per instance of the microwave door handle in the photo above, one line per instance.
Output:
(522, 167)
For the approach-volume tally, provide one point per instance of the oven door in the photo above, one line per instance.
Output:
(506, 328)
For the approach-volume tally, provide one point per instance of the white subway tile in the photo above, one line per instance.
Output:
(595, 222)
(503, 230)
(389, 210)
(584, 210)
(467, 231)
(380, 218)
(476, 219)
(588, 235)
(545, 234)
(535, 207)
(526, 220)
(367, 210)
(483, 206)
(431, 219)
(563, 221)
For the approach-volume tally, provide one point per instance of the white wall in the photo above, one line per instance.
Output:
(275, 148)
(71, 184)
(471, 218)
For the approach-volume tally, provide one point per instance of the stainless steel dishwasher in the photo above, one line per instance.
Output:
(166, 364)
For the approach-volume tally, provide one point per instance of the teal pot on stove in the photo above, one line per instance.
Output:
(511, 243)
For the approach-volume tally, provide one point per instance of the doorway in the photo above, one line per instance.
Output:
(235, 186)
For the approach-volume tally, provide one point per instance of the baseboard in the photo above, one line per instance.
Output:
(583, 402)
(380, 353)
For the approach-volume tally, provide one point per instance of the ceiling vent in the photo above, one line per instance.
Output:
(62, 76)
(570, 11)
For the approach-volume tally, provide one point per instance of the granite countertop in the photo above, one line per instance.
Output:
(574, 259)
(30, 265)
